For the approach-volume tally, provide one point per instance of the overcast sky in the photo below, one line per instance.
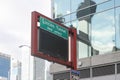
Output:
(15, 23)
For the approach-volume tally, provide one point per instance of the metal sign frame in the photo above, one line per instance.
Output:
(34, 42)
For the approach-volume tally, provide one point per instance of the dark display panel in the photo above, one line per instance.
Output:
(53, 45)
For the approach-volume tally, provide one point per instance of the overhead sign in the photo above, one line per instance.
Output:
(53, 39)
(53, 28)
(50, 41)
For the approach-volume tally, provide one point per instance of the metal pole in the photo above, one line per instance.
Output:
(119, 30)
(115, 24)
(73, 48)
(29, 59)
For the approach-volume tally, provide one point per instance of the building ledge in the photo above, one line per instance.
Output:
(100, 60)
(93, 61)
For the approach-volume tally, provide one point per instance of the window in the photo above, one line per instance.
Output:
(103, 70)
(100, 21)
(85, 73)
(118, 68)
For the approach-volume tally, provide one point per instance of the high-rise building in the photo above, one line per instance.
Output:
(15, 70)
(32, 68)
(3, 78)
(39, 69)
(98, 37)
(4, 66)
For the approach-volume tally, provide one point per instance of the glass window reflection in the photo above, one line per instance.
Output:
(117, 22)
(61, 7)
(103, 31)
(101, 24)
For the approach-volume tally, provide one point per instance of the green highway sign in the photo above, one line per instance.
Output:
(53, 28)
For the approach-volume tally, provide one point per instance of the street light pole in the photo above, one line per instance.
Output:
(21, 46)
(24, 46)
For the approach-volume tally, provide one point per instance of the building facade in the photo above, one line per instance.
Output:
(15, 69)
(4, 66)
(98, 37)
(33, 68)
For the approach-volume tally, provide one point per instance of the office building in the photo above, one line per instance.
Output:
(33, 68)
(4, 66)
(15, 70)
(3, 78)
(98, 37)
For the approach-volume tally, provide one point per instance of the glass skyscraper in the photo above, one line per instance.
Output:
(98, 37)
(4, 65)
(15, 71)
(97, 23)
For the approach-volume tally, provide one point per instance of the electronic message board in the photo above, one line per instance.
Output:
(50, 41)
(53, 39)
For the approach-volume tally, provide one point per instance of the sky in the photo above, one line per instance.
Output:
(15, 23)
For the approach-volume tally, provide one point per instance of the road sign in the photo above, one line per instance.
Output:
(50, 40)
(74, 75)
(53, 28)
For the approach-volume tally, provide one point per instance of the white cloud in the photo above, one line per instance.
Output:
(103, 40)
(103, 47)
(104, 33)
(15, 22)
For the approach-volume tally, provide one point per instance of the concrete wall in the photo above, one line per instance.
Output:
(118, 77)
(100, 59)
(91, 61)
(110, 77)
(57, 68)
